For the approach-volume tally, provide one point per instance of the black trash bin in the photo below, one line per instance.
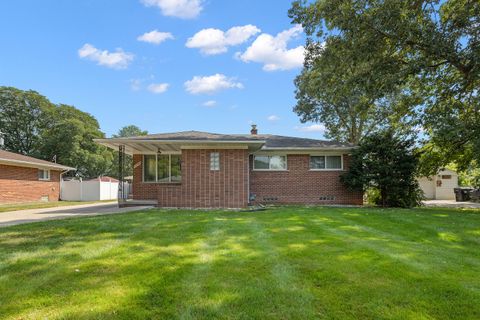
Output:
(475, 195)
(462, 194)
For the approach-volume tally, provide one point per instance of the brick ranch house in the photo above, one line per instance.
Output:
(27, 179)
(195, 169)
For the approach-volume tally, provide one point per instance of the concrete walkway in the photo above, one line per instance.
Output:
(11, 218)
(451, 204)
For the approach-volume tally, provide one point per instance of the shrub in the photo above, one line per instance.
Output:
(386, 162)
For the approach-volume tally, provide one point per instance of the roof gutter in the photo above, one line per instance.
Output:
(115, 140)
(35, 164)
(307, 148)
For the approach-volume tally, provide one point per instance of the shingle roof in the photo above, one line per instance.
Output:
(25, 161)
(271, 141)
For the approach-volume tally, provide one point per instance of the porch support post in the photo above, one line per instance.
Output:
(121, 173)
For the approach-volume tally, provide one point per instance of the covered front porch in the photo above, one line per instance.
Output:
(180, 173)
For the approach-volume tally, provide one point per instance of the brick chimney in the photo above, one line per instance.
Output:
(254, 130)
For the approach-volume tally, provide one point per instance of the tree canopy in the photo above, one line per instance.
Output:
(34, 126)
(423, 54)
(130, 131)
(22, 119)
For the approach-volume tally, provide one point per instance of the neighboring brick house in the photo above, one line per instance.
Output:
(206, 170)
(27, 179)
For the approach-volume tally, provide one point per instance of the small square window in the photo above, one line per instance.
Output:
(214, 161)
(43, 174)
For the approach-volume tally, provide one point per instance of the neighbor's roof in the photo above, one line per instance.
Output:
(15, 159)
(104, 179)
(261, 141)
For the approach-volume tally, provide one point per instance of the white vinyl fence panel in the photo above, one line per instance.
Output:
(93, 190)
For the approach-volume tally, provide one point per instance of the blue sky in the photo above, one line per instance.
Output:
(164, 65)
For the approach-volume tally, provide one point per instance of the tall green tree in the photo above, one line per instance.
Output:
(23, 116)
(428, 50)
(69, 138)
(34, 126)
(332, 89)
(386, 162)
(130, 131)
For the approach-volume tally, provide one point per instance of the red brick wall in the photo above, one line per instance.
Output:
(299, 185)
(200, 187)
(20, 184)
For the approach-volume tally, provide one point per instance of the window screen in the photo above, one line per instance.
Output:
(176, 168)
(149, 168)
(317, 162)
(43, 174)
(270, 162)
(334, 162)
(325, 162)
(162, 168)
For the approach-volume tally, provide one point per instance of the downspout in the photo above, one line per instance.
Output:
(248, 179)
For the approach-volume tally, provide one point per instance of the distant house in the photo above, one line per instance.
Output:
(27, 179)
(209, 170)
(439, 186)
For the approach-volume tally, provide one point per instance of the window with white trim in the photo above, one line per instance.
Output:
(162, 168)
(269, 162)
(214, 161)
(43, 174)
(325, 162)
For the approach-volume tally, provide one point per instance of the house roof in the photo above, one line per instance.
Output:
(270, 140)
(15, 159)
(104, 179)
(255, 142)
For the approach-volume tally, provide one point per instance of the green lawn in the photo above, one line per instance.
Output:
(284, 263)
(41, 205)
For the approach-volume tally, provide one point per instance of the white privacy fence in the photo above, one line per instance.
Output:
(91, 190)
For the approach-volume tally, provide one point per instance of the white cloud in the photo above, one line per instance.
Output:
(158, 87)
(214, 41)
(155, 37)
(273, 52)
(312, 128)
(211, 84)
(116, 60)
(273, 118)
(185, 9)
(209, 103)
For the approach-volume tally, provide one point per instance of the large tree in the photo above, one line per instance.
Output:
(332, 89)
(427, 50)
(68, 138)
(34, 126)
(22, 118)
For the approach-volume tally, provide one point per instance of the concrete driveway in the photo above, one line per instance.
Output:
(33, 215)
(451, 204)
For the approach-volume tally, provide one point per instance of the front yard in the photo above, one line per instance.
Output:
(284, 263)
(42, 205)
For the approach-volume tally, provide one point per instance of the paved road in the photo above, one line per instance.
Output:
(33, 215)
